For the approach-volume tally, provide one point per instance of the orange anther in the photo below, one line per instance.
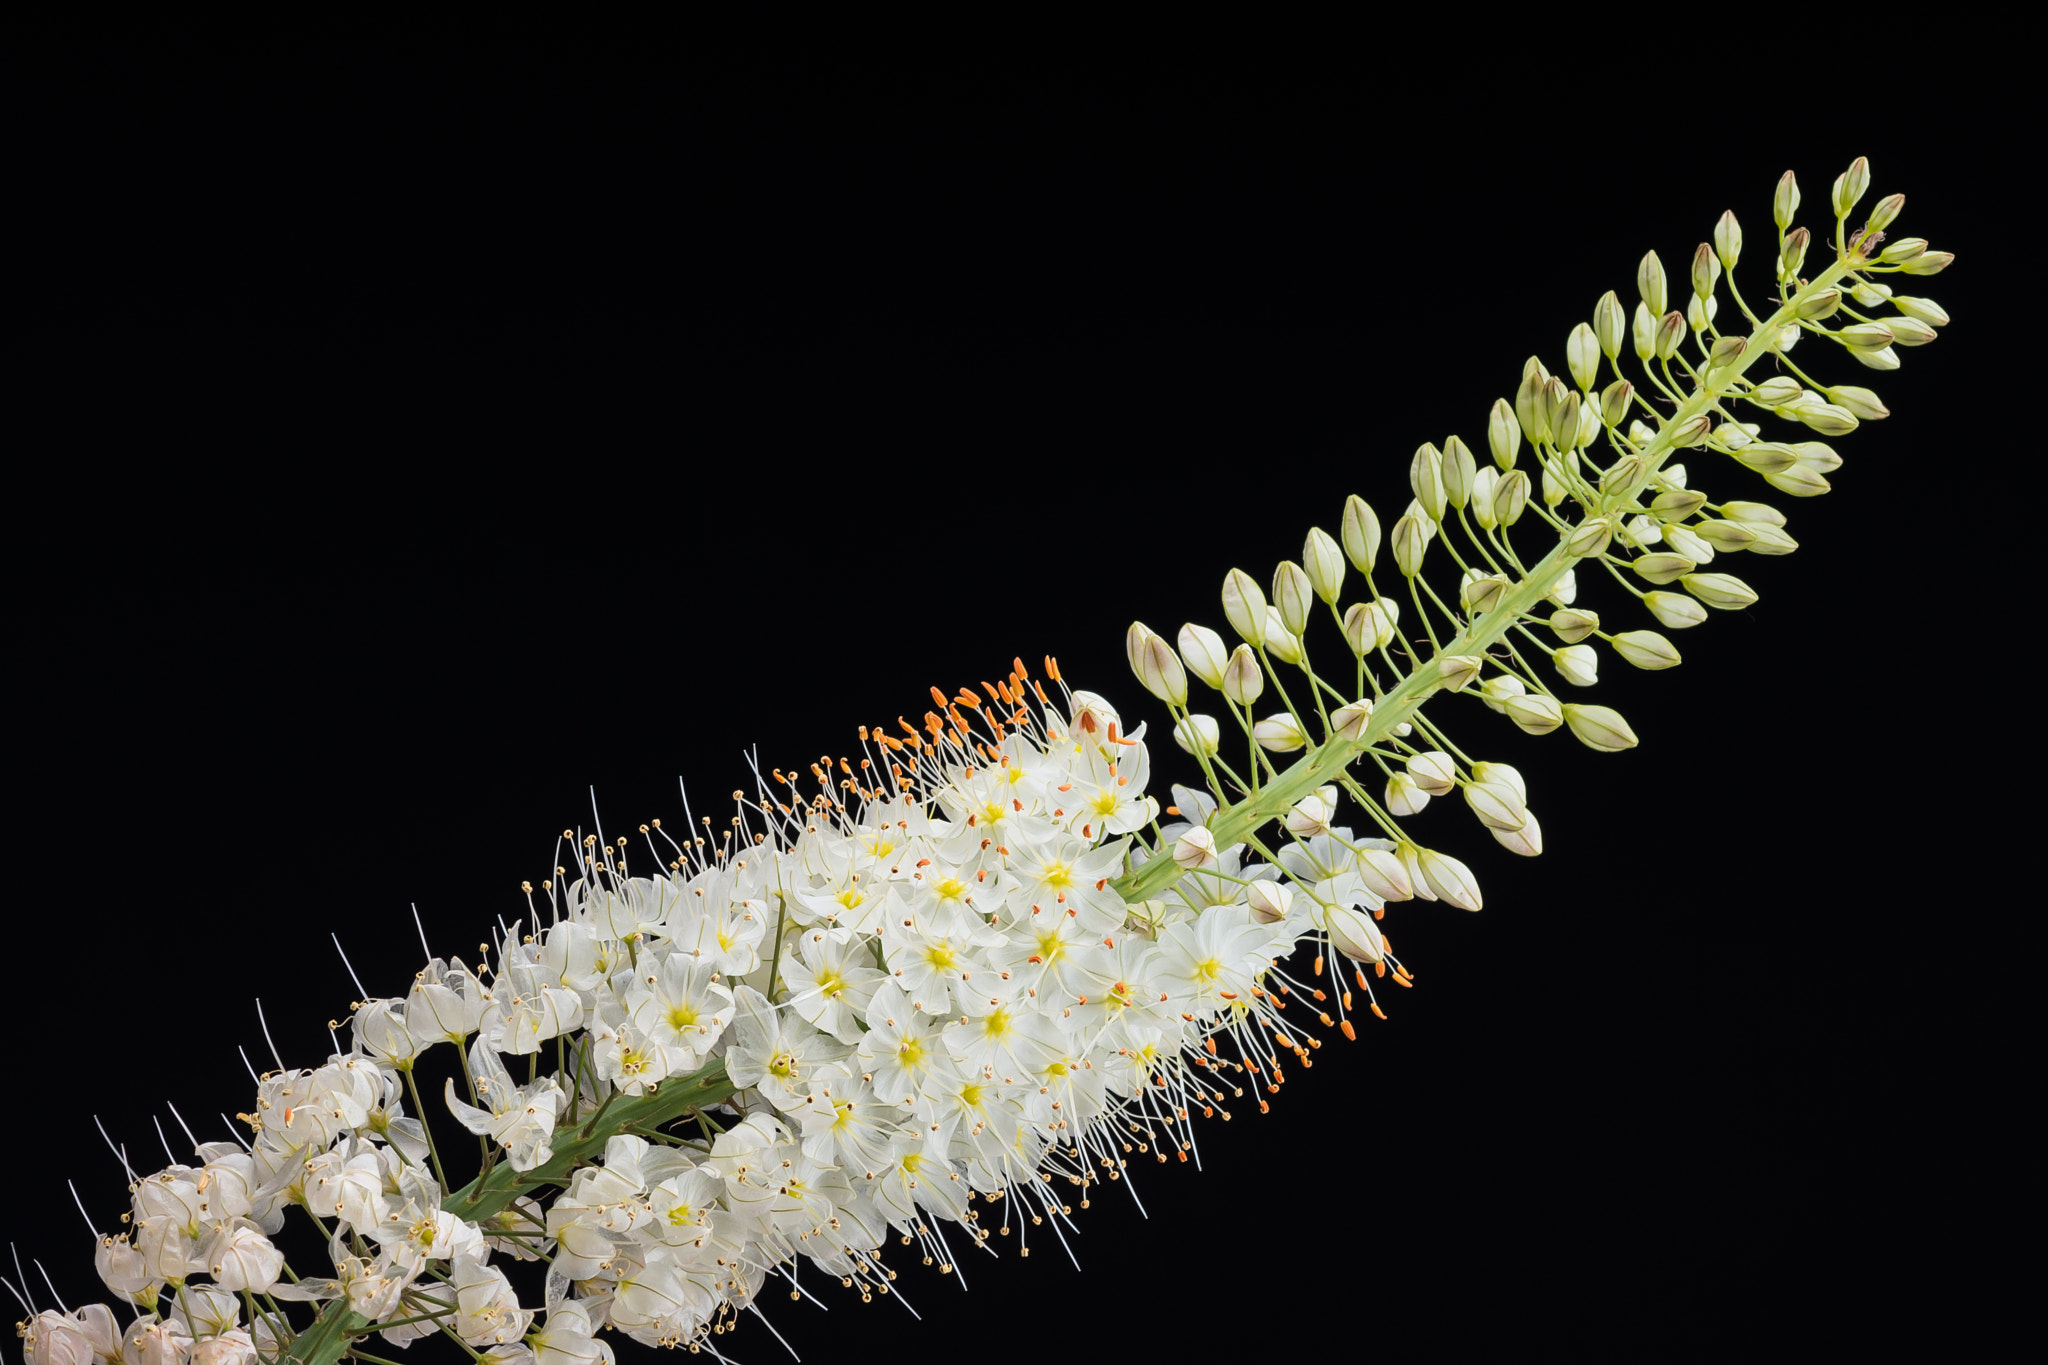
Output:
(1018, 664)
(1052, 668)
(1377, 1010)
(938, 696)
(1349, 1032)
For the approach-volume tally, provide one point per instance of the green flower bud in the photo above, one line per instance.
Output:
(1799, 481)
(1599, 727)
(1459, 469)
(1920, 310)
(1766, 457)
(1885, 358)
(1726, 351)
(1776, 391)
(1723, 591)
(1818, 305)
(1243, 679)
(1924, 263)
(1293, 595)
(1455, 672)
(1706, 271)
(1862, 403)
(1409, 540)
(1753, 513)
(1674, 611)
(1361, 533)
(1577, 664)
(1325, 564)
(1772, 540)
(1785, 202)
(1198, 735)
(1282, 643)
(1645, 649)
(1697, 316)
(1484, 484)
(1850, 185)
(1481, 591)
(1650, 283)
(1792, 254)
(1610, 323)
(1564, 423)
(1573, 625)
(1911, 331)
(1728, 536)
(1244, 606)
(1692, 431)
(1662, 568)
(1153, 660)
(1887, 209)
(1678, 503)
(1503, 434)
(1589, 538)
(1535, 715)
(1681, 540)
(1670, 333)
(1728, 239)
(1426, 478)
(1643, 332)
(1201, 649)
(1556, 485)
(1615, 401)
(1582, 356)
(1826, 418)
(1530, 410)
(1866, 336)
(1511, 497)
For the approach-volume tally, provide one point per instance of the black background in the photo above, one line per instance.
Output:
(406, 438)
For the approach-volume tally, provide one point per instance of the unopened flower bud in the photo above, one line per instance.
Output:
(1921, 310)
(1410, 540)
(1484, 485)
(1361, 534)
(1354, 934)
(1565, 591)
(1785, 201)
(1610, 325)
(1692, 430)
(1282, 643)
(1646, 649)
(1698, 315)
(1156, 665)
(1670, 332)
(1350, 719)
(1904, 249)
(1198, 735)
(1535, 715)
(1615, 401)
(1459, 470)
(1582, 356)
(1202, 650)
(1589, 538)
(1556, 485)
(1927, 263)
(1772, 540)
(1362, 626)
(1706, 271)
(1662, 568)
(1678, 503)
(1497, 805)
(1573, 624)
(1726, 351)
(243, 1259)
(1499, 689)
(1293, 595)
(1503, 434)
(1530, 411)
(1243, 680)
(1309, 816)
(1766, 457)
(1599, 727)
(1683, 541)
(1481, 591)
(1450, 879)
(1792, 254)
(1403, 796)
(1885, 358)
(1650, 283)
(1674, 611)
(1564, 423)
(1723, 591)
(1850, 185)
(1433, 771)
(1279, 734)
(1526, 841)
(1887, 209)
(1195, 851)
(1578, 664)
(1911, 331)
(1726, 536)
(1244, 606)
(1455, 672)
(1269, 901)
(1760, 513)
(1776, 391)
(1426, 478)
(1866, 336)
(1828, 419)
(1728, 239)
(1643, 332)
(1799, 481)
(1511, 498)
(1324, 562)
(1384, 874)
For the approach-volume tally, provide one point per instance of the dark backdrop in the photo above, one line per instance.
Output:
(405, 441)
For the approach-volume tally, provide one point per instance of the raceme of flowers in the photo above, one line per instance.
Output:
(972, 976)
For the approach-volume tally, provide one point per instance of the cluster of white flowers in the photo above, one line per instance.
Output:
(910, 1003)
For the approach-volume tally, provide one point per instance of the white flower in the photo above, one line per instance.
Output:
(680, 1005)
(241, 1257)
(521, 1119)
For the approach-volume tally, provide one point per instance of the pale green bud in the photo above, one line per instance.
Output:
(1578, 664)
(1156, 665)
(1662, 568)
(1503, 434)
(1410, 540)
(1282, 643)
(1426, 478)
(1827, 418)
(1484, 485)
(1792, 254)
(1458, 470)
(1481, 591)
(1370, 625)
(1270, 901)
(1589, 538)
(1556, 488)
(1680, 540)
(1706, 271)
(1911, 331)
(1756, 513)
(1818, 456)
(1535, 715)
(1500, 689)
(1692, 431)
(1882, 216)
(1615, 401)
(1566, 590)
(1728, 239)
(1198, 735)
(1564, 423)
(1678, 504)
(1869, 293)
(1726, 535)
(1202, 650)
(1785, 202)
(1866, 336)
(1650, 283)
(1497, 805)
(1244, 606)
(1726, 351)
(1674, 611)
(1531, 412)
(1455, 672)
(1643, 331)
(1799, 481)
(1384, 874)
(1511, 497)
(1573, 625)
(1883, 359)
(1324, 561)
(1600, 727)
(1279, 734)
(1403, 797)
(1772, 540)
(1582, 356)
(1698, 315)
(1534, 365)
(1903, 250)
(1450, 880)
(1776, 391)
(1243, 679)
(1645, 649)
(1589, 425)
(1722, 591)
(1293, 595)
(1610, 324)
(1766, 457)
(1670, 333)
(1349, 720)
(1361, 533)
(1850, 185)
(1818, 305)
(1920, 310)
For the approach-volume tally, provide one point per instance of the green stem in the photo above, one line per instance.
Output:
(412, 1088)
